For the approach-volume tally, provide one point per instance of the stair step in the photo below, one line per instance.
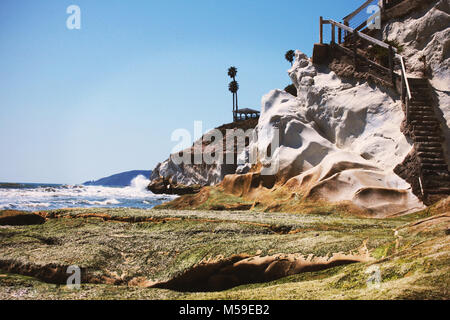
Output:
(435, 175)
(423, 118)
(431, 149)
(422, 88)
(430, 133)
(441, 190)
(421, 94)
(428, 113)
(429, 166)
(421, 108)
(414, 103)
(419, 88)
(435, 198)
(429, 145)
(430, 130)
(417, 81)
(420, 102)
(435, 184)
(432, 161)
(419, 124)
(428, 139)
(425, 122)
(427, 133)
(430, 155)
(426, 126)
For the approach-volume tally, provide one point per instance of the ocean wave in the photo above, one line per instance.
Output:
(140, 183)
(37, 205)
(67, 196)
(101, 203)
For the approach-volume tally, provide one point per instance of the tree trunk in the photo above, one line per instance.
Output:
(234, 109)
(235, 106)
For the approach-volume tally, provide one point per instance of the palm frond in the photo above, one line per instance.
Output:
(232, 72)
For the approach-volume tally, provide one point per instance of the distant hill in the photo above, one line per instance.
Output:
(119, 180)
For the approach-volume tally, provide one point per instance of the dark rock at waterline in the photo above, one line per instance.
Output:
(164, 186)
(19, 218)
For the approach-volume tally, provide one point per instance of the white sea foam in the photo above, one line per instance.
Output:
(38, 205)
(140, 183)
(101, 203)
(44, 197)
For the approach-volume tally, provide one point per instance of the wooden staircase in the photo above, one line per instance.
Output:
(425, 168)
(427, 171)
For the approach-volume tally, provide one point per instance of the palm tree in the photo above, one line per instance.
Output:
(290, 56)
(232, 72)
(234, 87)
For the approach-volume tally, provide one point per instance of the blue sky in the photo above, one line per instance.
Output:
(77, 105)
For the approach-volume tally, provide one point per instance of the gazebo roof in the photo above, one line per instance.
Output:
(247, 110)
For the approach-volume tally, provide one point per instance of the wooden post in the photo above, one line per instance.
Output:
(339, 35)
(391, 64)
(321, 30)
(346, 33)
(407, 109)
(333, 34)
(403, 87)
(355, 49)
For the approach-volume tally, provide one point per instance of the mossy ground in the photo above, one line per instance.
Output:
(414, 262)
(278, 199)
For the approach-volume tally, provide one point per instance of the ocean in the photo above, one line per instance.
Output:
(37, 197)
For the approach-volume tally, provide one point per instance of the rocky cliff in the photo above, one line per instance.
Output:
(172, 178)
(340, 139)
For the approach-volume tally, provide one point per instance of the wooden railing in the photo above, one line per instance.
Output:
(354, 18)
(387, 4)
(347, 20)
(356, 34)
(353, 31)
(393, 54)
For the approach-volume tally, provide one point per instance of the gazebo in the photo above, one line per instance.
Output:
(246, 113)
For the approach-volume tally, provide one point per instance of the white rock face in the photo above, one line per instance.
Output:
(338, 141)
(425, 33)
(188, 175)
